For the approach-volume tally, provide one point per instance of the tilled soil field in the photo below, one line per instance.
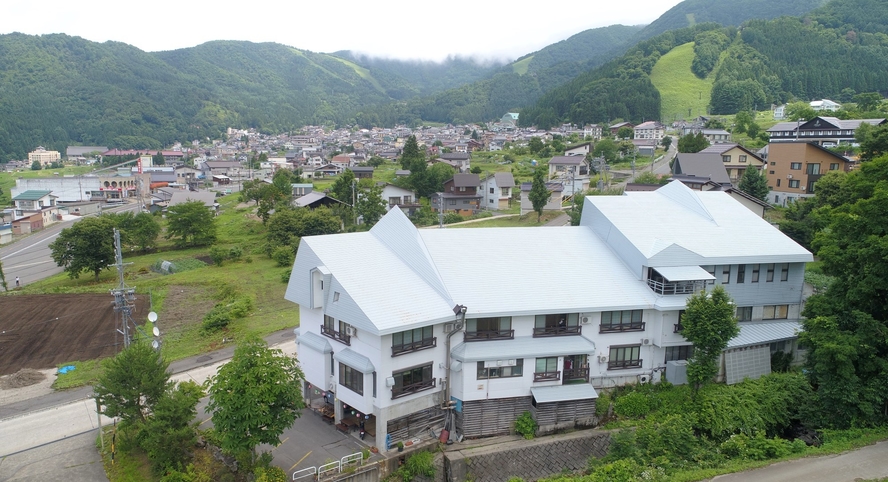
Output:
(41, 331)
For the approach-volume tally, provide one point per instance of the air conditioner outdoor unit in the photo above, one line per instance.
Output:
(602, 359)
(789, 176)
(512, 362)
(448, 327)
(644, 379)
(645, 341)
(351, 331)
(585, 320)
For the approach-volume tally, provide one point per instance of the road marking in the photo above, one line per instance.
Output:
(31, 246)
(29, 264)
(207, 420)
(300, 461)
(280, 443)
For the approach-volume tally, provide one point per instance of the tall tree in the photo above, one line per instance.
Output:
(666, 142)
(539, 194)
(255, 397)
(132, 382)
(344, 188)
(191, 224)
(709, 323)
(754, 183)
(157, 159)
(170, 433)
(691, 143)
(137, 231)
(86, 246)
(371, 206)
(868, 101)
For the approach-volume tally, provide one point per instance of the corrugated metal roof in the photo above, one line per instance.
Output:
(314, 341)
(765, 332)
(563, 393)
(683, 273)
(522, 347)
(355, 360)
(31, 195)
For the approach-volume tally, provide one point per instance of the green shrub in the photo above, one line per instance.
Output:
(235, 253)
(285, 276)
(218, 255)
(418, 464)
(283, 256)
(526, 426)
(672, 438)
(219, 317)
(241, 307)
(781, 361)
(633, 405)
(452, 217)
(757, 447)
(269, 474)
(602, 404)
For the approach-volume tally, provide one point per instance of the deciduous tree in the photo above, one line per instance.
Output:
(86, 246)
(191, 224)
(691, 143)
(255, 397)
(170, 433)
(371, 206)
(539, 194)
(132, 382)
(709, 323)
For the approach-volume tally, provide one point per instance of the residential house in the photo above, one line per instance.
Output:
(649, 130)
(568, 166)
(301, 189)
(825, 105)
(33, 211)
(403, 198)
(314, 200)
(460, 194)
(186, 175)
(556, 191)
(716, 136)
(619, 125)
(362, 172)
(794, 168)
(582, 149)
(460, 160)
(708, 165)
(826, 131)
(496, 190)
(780, 112)
(221, 168)
(438, 349)
(342, 161)
(736, 159)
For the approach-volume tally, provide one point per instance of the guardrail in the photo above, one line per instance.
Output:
(332, 468)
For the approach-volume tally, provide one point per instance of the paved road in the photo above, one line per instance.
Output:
(29, 258)
(863, 464)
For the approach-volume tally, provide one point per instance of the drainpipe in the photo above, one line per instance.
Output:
(460, 312)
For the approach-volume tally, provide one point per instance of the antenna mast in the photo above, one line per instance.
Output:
(124, 296)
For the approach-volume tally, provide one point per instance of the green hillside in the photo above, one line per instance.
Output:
(682, 94)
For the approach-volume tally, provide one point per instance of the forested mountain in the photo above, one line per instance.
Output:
(834, 51)
(725, 12)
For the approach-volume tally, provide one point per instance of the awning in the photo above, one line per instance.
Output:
(355, 360)
(752, 334)
(563, 393)
(523, 347)
(683, 273)
(314, 341)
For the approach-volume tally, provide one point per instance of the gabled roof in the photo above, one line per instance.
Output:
(466, 180)
(702, 165)
(32, 195)
(208, 198)
(566, 160)
(503, 179)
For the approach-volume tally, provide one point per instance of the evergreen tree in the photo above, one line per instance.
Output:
(132, 382)
(539, 194)
(709, 323)
(754, 183)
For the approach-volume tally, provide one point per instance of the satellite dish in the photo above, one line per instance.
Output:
(155, 344)
(152, 317)
(156, 331)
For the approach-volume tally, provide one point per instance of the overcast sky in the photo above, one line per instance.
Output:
(390, 28)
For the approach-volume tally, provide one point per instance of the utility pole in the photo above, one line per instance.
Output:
(124, 296)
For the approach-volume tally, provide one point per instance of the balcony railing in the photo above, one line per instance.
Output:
(622, 327)
(483, 335)
(546, 376)
(398, 392)
(556, 331)
(576, 374)
(339, 336)
(622, 364)
(678, 328)
(415, 346)
(676, 287)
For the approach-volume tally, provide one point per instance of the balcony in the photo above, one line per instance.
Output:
(485, 335)
(676, 287)
(622, 327)
(539, 332)
(398, 392)
(339, 336)
(415, 346)
(546, 376)
(574, 374)
(623, 364)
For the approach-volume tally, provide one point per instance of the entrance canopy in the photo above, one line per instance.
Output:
(683, 273)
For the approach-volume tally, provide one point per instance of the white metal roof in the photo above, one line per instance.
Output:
(313, 341)
(563, 393)
(522, 347)
(675, 225)
(765, 332)
(683, 273)
(355, 360)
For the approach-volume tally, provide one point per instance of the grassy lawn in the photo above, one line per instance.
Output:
(683, 95)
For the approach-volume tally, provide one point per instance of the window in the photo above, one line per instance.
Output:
(462, 189)
(784, 272)
(624, 357)
(795, 166)
(407, 199)
(777, 346)
(741, 273)
(394, 201)
(500, 371)
(413, 380)
(504, 191)
(834, 166)
(683, 352)
(770, 276)
(678, 326)
(351, 378)
(618, 321)
(557, 324)
(726, 274)
(773, 163)
(546, 369)
(813, 169)
(726, 158)
(498, 328)
(329, 329)
(374, 384)
(775, 312)
(744, 313)
(465, 201)
(335, 296)
(452, 202)
(778, 181)
(743, 158)
(491, 190)
(413, 340)
(811, 186)
(794, 183)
